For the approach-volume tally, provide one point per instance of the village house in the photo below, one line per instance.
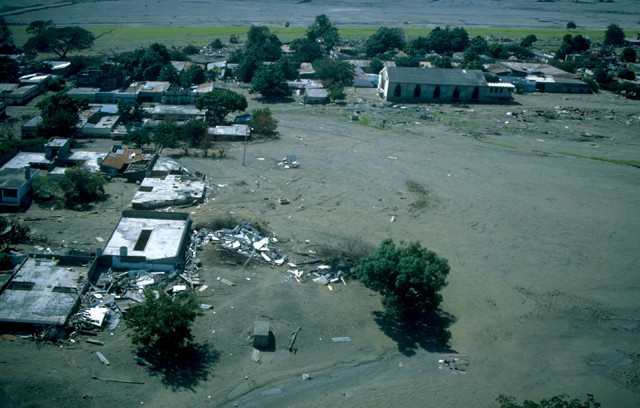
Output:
(170, 190)
(130, 163)
(401, 84)
(15, 184)
(44, 290)
(148, 240)
(230, 133)
(315, 96)
(28, 87)
(540, 77)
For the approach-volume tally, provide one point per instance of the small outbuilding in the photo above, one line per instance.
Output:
(316, 95)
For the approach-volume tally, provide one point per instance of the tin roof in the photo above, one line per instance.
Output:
(436, 76)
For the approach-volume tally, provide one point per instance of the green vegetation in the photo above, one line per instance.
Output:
(59, 115)
(47, 38)
(77, 188)
(559, 401)
(262, 122)
(632, 163)
(221, 102)
(409, 278)
(161, 324)
(11, 233)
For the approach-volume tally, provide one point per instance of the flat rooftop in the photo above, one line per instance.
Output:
(23, 159)
(145, 236)
(168, 191)
(43, 291)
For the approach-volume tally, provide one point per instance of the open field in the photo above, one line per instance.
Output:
(541, 239)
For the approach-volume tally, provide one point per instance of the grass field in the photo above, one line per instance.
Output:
(129, 38)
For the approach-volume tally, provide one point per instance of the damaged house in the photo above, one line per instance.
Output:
(171, 190)
(130, 163)
(44, 290)
(148, 240)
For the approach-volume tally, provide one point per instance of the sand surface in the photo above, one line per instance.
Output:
(542, 244)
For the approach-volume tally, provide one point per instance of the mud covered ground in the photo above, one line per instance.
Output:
(538, 222)
(358, 13)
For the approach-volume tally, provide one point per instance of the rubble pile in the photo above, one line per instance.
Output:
(244, 240)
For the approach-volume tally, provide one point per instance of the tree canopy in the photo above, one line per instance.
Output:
(409, 278)
(334, 72)
(59, 115)
(385, 39)
(163, 324)
(80, 186)
(220, 102)
(269, 81)
(262, 122)
(441, 41)
(165, 135)
(323, 31)
(614, 35)
(58, 40)
(7, 46)
(130, 112)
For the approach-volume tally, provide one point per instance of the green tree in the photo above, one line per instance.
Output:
(163, 324)
(217, 44)
(59, 115)
(626, 73)
(9, 69)
(262, 122)
(385, 39)
(247, 67)
(81, 187)
(323, 31)
(407, 61)
(559, 401)
(376, 65)
(571, 26)
(169, 73)
(336, 93)
(221, 102)
(137, 136)
(334, 72)
(262, 44)
(130, 112)
(441, 41)
(165, 135)
(614, 35)
(441, 62)
(269, 81)
(409, 278)
(529, 40)
(144, 63)
(194, 131)
(194, 75)
(305, 50)
(477, 46)
(629, 54)
(60, 40)
(7, 46)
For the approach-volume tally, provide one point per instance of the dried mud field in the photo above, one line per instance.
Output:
(355, 13)
(541, 239)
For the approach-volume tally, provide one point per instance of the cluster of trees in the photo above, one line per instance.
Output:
(77, 188)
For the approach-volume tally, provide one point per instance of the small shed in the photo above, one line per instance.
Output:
(260, 333)
(316, 95)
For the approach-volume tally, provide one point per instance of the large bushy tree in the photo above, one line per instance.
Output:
(58, 40)
(80, 186)
(130, 112)
(269, 81)
(614, 35)
(163, 323)
(441, 41)
(262, 122)
(7, 46)
(323, 31)
(165, 135)
(334, 72)
(384, 40)
(59, 115)
(409, 278)
(220, 102)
